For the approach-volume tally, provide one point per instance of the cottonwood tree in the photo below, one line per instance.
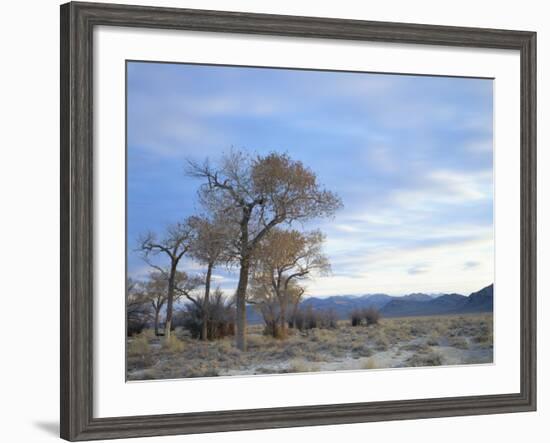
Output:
(138, 311)
(210, 244)
(155, 291)
(284, 258)
(265, 300)
(294, 293)
(255, 194)
(175, 243)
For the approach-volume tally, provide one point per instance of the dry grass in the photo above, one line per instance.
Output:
(149, 334)
(458, 342)
(370, 364)
(418, 341)
(138, 346)
(433, 339)
(299, 365)
(429, 358)
(173, 344)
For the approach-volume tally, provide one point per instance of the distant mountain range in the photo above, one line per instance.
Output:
(417, 304)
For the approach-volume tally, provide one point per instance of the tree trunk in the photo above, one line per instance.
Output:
(170, 302)
(294, 313)
(241, 304)
(204, 330)
(284, 327)
(157, 313)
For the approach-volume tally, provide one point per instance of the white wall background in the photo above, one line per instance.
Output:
(29, 187)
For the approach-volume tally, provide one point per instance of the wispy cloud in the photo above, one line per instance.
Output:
(418, 269)
(442, 187)
(471, 264)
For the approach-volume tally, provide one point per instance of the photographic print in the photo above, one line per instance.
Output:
(288, 220)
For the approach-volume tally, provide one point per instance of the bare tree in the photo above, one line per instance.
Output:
(138, 311)
(294, 293)
(268, 304)
(257, 194)
(283, 258)
(265, 302)
(173, 245)
(155, 291)
(209, 247)
(188, 287)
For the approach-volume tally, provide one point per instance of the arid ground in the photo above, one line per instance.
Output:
(393, 343)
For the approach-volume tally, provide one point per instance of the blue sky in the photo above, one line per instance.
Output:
(410, 156)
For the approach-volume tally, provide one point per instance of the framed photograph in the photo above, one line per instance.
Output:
(272, 221)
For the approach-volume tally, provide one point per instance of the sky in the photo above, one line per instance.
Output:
(410, 156)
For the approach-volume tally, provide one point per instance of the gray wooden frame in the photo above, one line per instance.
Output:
(77, 23)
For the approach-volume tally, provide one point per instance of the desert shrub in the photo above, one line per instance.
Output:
(272, 328)
(191, 319)
(360, 350)
(324, 335)
(328, 319)
(293, 350)
(370, 364)
(484, 340)
(425, 359)
(138, 346)
(416, 347)
(459, 342)
(225, 346)
(298, 320)
(271, 315)
(173, 344)
(135, 327)
(460, 331)
(305, 318)
(382, 343)
(309, 318)
(148, 333)
(433, 340)
(299, 365)
(356, 317)
(371, 316)
(257, 341)
(178, 320)
(400, 332)
(201, 371)
(262, 370)
(221, 317)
